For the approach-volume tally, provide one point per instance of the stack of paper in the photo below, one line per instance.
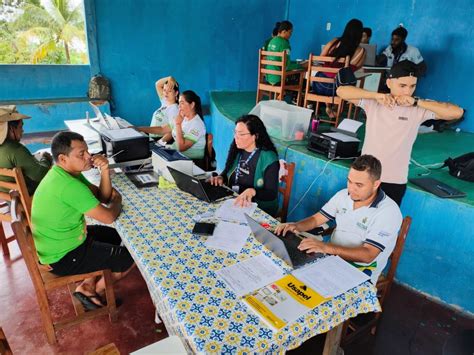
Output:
(331, 276)
(230, 212)
(251, 274)
(228, 236)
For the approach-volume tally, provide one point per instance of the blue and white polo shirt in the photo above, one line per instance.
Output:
(377, 225)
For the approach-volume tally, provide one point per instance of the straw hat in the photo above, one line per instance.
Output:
(7, 114)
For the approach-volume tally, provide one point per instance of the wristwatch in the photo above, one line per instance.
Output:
(415, 103)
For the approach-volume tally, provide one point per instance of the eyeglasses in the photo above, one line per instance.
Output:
(238, 134)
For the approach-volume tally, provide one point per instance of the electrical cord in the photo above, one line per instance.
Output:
(428, 167)
(314, 181)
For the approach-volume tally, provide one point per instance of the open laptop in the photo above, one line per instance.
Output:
(199, 188)
(370, 53)
(437, 187)
(286, 248)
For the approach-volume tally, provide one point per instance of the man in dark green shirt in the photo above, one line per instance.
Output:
(13, 154)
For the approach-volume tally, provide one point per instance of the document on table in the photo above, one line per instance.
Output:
(228, 236)
(251, 274)
(331, 276)
(229, 212)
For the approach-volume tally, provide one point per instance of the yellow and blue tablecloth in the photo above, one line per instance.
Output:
(192, 301)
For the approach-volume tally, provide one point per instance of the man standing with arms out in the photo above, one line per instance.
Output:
(65, 244)
(367, 221)
(392, 123)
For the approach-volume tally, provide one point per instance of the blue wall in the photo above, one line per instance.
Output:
(206, 45)
(442, 30)
(26, 82)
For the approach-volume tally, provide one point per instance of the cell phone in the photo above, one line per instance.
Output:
(204, 229)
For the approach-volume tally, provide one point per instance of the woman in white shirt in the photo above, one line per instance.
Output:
(168, 91)
(188, 129)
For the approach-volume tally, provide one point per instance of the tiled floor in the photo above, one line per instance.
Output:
(411, 324)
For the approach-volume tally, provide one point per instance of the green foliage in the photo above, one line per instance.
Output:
(42, 32)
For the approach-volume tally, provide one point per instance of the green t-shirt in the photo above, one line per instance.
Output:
(57, 214)
(15, 155)
(279, 44)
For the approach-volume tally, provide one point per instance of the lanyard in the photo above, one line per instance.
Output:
(237, 171)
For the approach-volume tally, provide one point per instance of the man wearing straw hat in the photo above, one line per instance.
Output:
(13, 154)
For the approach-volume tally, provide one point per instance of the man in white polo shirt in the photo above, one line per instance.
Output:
(393, 121)
(367, 221)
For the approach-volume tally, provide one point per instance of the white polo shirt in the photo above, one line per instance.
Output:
(412, 54)
(377, 225)
(195, 131)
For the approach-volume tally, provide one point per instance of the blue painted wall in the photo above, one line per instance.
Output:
(442, 30)
(206, 45)
(439, 251)
(25, 82)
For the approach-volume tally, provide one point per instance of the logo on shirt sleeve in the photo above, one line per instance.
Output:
(194, 132)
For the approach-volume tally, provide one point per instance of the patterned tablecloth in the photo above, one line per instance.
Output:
(191, 300)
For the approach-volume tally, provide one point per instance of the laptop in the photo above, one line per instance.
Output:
(370, 53)
(286, 248)
(199, 188)
(437, 187)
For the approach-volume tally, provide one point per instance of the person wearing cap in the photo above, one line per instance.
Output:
(392, 123)
(13, 154)
(399, 51)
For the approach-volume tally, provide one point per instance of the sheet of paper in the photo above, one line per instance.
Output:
(341, 136)
(125, 133)
(349, 125)
(331, 276)
(228, 236)
(251, 274)
(228, 212)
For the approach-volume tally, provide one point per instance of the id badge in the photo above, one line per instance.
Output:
(235, 188)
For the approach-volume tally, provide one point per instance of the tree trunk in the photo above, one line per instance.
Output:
(66, 48)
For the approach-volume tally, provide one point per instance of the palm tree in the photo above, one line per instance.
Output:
(53, 23)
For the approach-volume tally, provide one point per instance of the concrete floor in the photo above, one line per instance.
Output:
(411, 324)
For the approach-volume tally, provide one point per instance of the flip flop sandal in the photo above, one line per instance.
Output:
(87, 302)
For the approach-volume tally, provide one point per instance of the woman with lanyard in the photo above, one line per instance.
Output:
(168, 91)
(252, 166)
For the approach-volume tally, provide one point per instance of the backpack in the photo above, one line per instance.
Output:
(99, 88)
(461, 167)
(345, 76)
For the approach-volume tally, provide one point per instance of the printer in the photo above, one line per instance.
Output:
(340, 142)
(125, 144)
(162, 158)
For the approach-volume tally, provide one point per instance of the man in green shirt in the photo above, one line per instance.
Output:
(281, 43)
(13, 154)
(63, 241)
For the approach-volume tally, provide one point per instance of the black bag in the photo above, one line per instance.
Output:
(461, 167)
(99, 88)
(345, 76)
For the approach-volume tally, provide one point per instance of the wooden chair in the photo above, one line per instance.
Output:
(287, 181)
(4, 346)
(316, 64)
(208, 163)
(278, 90)
(44, 281)
(19, 185)
(352, 329)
